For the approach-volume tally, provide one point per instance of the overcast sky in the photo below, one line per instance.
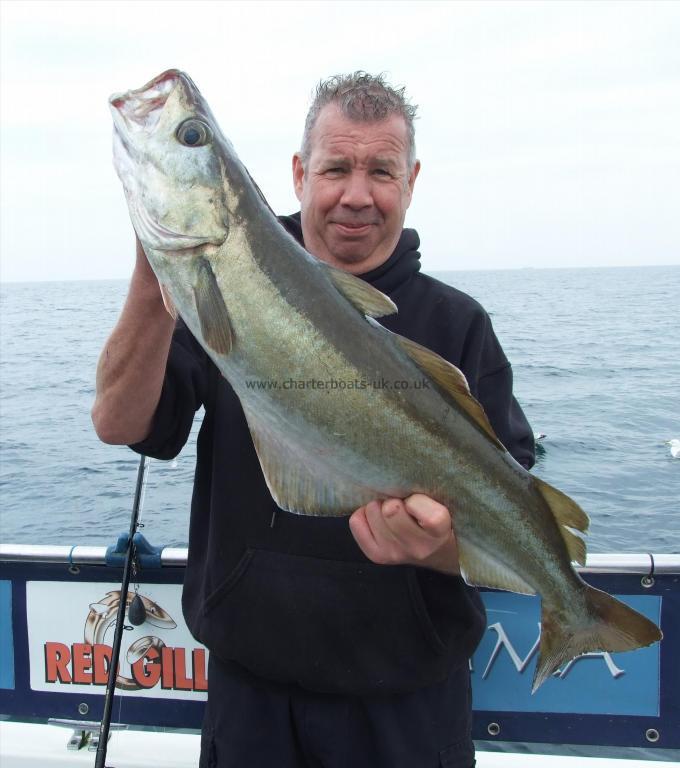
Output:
(549, 132)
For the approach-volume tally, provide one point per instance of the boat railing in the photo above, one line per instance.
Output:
(620, 562)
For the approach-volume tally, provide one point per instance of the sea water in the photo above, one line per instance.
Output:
(596, 360)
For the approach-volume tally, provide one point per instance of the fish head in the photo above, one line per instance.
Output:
(164, 142)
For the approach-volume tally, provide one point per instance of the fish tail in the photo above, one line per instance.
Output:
(606, 624)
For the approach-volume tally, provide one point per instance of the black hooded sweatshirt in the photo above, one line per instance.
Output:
(297, 601)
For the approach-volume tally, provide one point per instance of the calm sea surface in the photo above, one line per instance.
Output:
(596, 355)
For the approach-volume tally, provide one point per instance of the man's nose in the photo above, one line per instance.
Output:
(357, 191)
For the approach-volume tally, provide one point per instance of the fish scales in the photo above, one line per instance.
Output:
(265, 310)
(282, 330)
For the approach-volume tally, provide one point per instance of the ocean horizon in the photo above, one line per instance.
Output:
(425, 269)
(596, 360)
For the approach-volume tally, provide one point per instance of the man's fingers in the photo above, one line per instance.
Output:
(380, 533)
(397, 523)
(402, 531)
(392, 508)
(379, 523)
(434, 518)
(361, 530)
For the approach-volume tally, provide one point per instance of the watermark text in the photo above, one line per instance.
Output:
(336, 385)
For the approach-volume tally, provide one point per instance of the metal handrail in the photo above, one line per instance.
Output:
(623, 562)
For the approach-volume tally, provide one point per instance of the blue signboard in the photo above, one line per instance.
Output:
(6, 636)
(596, 683)
(625, 699)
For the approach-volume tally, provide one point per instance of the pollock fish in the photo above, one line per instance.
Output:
(265, 310)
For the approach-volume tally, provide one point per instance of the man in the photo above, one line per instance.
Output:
(333, 643)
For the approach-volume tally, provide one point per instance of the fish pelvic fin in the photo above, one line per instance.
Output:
(452, 382)
(367, 299)
(607, 625)
(212, 311)
(571, 519)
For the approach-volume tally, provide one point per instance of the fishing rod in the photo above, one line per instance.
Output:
(100, 760)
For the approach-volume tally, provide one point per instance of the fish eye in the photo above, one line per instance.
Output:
(193, 133)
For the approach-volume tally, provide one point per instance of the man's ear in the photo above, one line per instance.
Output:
(298, 175)
(412, 177)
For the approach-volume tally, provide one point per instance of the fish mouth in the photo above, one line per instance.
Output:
(141, 108)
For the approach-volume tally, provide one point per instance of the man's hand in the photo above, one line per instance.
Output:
(415, 531)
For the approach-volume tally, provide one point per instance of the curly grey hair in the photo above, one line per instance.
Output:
(363, 98)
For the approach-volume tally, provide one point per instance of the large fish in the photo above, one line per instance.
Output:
(269, 315)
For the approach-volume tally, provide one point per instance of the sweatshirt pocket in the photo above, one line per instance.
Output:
(333, 626)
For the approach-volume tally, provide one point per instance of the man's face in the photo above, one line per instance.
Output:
(354, 190)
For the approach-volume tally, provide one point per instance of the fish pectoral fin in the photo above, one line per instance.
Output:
(367, 299)
(168, 303)
(299, 481)
(568, 515)
(480, 569)
(452, 381)
(212, 311)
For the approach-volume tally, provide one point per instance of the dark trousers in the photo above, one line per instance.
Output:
(251, 723)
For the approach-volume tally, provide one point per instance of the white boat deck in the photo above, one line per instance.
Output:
(27, 745)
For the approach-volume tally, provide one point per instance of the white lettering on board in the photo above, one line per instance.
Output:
(503, 641)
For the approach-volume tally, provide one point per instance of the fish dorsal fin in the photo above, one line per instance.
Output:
(212, 311)
(568, 515)
(367, 299)
(298, 478)
(481, 569)
(452, 381)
